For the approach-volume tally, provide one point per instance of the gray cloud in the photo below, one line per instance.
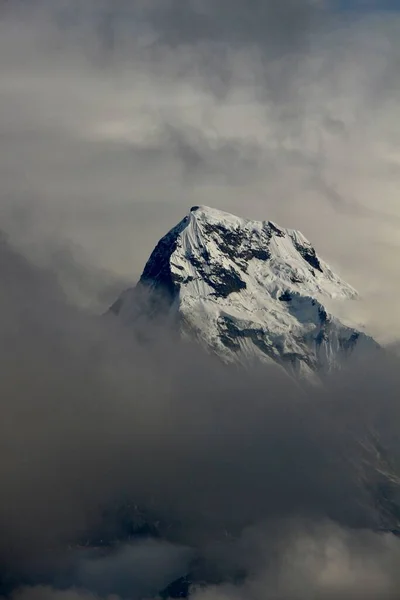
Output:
(48, 593)
(114, 119)
(187, 22)
(91, 417)
(140, 569)
(323, 561)
(103, 149)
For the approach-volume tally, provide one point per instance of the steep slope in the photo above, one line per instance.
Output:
(248, 291)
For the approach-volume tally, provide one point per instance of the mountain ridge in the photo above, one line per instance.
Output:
(247, 291)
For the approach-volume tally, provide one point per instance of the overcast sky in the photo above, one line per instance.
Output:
(116, 117)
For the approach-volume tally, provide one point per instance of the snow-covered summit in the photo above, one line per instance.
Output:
(248, 290)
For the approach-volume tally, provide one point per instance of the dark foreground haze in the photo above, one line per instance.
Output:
(115, 117)
(242, 470)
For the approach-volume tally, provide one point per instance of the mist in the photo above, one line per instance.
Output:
(115, 118)
(236, 470)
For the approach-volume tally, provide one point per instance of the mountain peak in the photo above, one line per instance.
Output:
(249, 290)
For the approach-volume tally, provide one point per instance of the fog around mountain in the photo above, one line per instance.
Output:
(115, 118)
(248, 292)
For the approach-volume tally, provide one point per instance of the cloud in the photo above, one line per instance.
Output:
(325, 562)
(48, 593)
(92, 418)
(115, 118)
(283, 112)
(289, 561)
(143, 568)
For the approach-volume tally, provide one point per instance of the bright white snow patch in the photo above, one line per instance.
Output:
(250, 290)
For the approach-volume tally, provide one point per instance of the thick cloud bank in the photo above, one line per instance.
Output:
(125, 465)
(244, 472)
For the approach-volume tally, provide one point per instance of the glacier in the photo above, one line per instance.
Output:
(249, 292)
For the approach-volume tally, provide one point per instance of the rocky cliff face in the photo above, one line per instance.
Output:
(248, 291)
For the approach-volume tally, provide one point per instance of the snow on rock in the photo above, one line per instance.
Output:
(249, 291)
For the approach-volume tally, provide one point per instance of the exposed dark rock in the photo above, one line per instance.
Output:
(192, 258)
(158, 268)
(309, 255)
(239, 245)
(181, 279)
(296, 279)
(349, 343)
(223, 281)
(230, 333)
(205, 254)
(321, 337)
(203, 573)
(261, 254)
(228, 240)
(277, 231)
(285, 297)
(180, 588)
(323, 315)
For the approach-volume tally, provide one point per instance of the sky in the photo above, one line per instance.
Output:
(115, 118)
(367, 5)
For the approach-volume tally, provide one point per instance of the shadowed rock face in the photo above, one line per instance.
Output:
(309, 255)
(248, 291)
(157, 271)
